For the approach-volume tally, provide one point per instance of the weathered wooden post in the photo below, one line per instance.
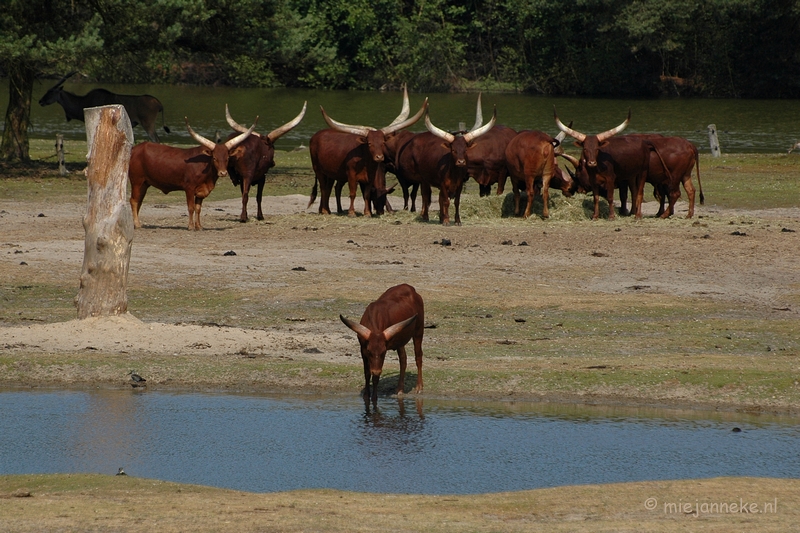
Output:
(62, 167)
(108, 221)
(712, 139)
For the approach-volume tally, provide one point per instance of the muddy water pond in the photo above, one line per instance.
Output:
(275, 443)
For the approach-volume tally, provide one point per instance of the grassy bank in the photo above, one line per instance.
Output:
(116, 503)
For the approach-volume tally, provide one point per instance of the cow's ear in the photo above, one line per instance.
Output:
(237, 152)
(209, 153)
(578, 144)
(604, 143)
(363, 140)
(446, 146)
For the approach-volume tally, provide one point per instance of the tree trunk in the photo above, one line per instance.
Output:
(108, 221)
(18, 115)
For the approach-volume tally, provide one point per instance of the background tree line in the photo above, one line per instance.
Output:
(714, 48)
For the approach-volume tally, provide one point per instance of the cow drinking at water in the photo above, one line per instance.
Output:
(388, 323)
(142, 109)
(192, 170)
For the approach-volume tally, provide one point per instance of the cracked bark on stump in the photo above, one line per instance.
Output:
(108, 221)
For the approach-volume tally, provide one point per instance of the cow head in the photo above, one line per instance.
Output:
(590, 144)
(458, 144)
(220, 153)
(375, 139)
(268, 151)
(53, 94)
(374, 344)
(580, 178)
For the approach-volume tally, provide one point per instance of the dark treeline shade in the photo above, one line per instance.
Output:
(623, 48)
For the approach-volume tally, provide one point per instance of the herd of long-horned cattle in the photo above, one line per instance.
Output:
(360, 156)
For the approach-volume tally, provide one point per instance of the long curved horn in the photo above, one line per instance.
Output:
(560, 139)
(405, 110)
(571, 159)
(610, 133)
(449, 137)
(235, 125)
(361, 331)
(483, 129)
(391, 331)
(233, 143)
(346, 128)
(65, 78)
(199, 138)
(566, 129)
(478, 115)
(408, 122)
(277, 132)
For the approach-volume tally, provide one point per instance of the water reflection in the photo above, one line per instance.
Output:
(268, 443)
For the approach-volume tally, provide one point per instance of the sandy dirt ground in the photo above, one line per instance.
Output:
(740, 258)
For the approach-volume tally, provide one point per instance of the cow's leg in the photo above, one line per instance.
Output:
(531, 193)
(623, 200)
(259, 194)
(546, 193)
(137, 195)
(401, 383)
(367, 195)
(639, 196)
(690, 192)
(190, 205)
(414, 189)
(418, 359)
(198, 205)
(367, 376)
(353, 192)
(325, 187)
(245, 186)
(457, 201)
(426, 201)
(444, 207)
(339, 187)
(405, 196)
(515, 191)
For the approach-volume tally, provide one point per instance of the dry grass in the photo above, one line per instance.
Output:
(112, 503)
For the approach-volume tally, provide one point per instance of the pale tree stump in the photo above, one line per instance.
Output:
(108, 221)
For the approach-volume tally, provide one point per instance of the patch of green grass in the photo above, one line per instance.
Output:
(26, 303)
(751, 181)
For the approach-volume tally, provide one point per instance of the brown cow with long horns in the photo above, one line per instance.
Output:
(192, 170)
(432, 163)
(608, 162)
(353, 154)
(388, 323)
(249, 166)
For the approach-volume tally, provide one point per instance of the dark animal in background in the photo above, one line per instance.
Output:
(388, 323)
(249, 166)
(353, 155)
(142, 109)
(432, 163)
(192, 170)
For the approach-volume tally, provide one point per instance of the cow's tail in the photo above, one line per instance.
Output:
(313, 193)
(697, 166)
(164, 121)
(663, 164)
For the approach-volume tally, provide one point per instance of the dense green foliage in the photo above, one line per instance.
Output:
(731, 48)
